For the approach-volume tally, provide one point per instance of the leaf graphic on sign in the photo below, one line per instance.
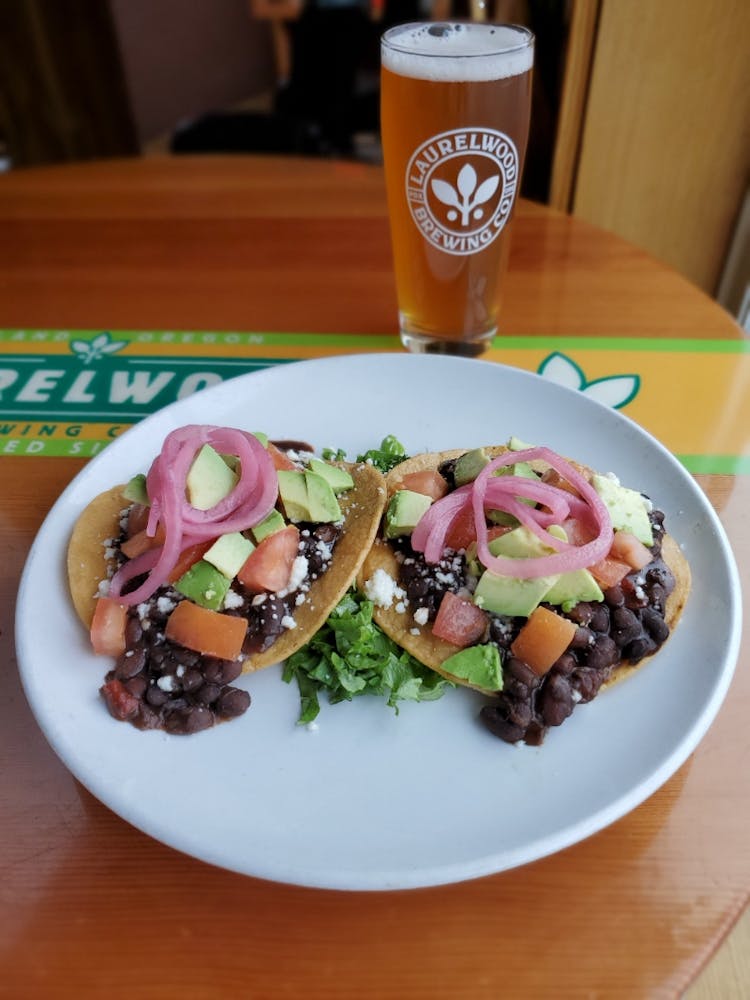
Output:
(97, 348)
(611, 390)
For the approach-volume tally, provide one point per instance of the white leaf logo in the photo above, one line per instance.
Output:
(611, 390)
(466, 197)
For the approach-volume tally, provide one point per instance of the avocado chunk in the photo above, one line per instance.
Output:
(308, 497)
(337, 478)
(509, 595)
(479, 665)
(209, 479)
(321, 500)
(572, 587)
(404, 511)
(469, 465)
(228, 553)
(626, 507)
(204, 584)
(520, 543)
(135, 490)
(293, 493)
(271, 522)
(516, 444)
(524, 471)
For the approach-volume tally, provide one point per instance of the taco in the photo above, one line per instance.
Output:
(526, 576)
(227, 557)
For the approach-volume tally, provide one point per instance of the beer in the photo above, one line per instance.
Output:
(455, 105)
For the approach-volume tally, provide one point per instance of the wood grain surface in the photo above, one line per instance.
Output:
(90, 906)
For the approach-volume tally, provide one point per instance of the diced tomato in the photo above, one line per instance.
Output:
(269, 565)
(497, 531)
(120, 702)
(108, 627)
(577, 532)
(140, 542)
(609, 572)
(427, 482)
(187, 558)
(462, 531)
(459, 622)
(208, 632)
(279, 458)
(543, 639)
(627, 548)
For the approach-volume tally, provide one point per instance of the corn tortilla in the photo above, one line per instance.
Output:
(362, 507)
(431, 651)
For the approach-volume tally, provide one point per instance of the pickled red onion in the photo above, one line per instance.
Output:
(252, 499)
(506, 493)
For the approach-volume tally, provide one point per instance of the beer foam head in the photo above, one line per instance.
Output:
(458, 52)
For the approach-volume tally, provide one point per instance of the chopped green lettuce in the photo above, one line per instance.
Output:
(390, 453)
(352, 656)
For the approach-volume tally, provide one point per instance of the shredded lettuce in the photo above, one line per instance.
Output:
(351, 656)
(390, 453)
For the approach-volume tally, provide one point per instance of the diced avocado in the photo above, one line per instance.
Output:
(469, 465)
(271, 523)
(480, 665)
(228, 553)
(263, 438)
(626, 507)
(293, 493)
(508, 595)
(135, 490)
(525, 471)
(404, 511)
(204, 585)
(338, 478)
(321, 500)
(520, 543)
(209, 479)
(516, 444)
(572, 587)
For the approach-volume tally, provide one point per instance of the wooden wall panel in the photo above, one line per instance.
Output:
(666, 138)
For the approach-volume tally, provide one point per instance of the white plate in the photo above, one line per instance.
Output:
(371, 800)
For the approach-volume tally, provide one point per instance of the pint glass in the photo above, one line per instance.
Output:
(455, 106)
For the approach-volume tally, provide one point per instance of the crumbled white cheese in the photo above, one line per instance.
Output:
(110, 552)
(382, 589)
(288, 622)
(297, 577)
(103, 589)
(180, 671)
(414, 631)
(300, 598)
(165, 605)
(421, 616)
(258, 600)
(232, 599)
(166, 683)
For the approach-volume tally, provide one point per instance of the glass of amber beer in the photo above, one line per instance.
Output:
(455, 107)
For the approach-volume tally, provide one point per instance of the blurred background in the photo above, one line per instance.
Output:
(640, 121)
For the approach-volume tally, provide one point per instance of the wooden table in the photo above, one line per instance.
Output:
(92, 907)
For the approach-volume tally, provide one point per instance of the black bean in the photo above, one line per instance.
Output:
(191, 680)
(655, 625)
(133, 631)
(146, 717)
(136, 685)
(644, 645)
(191, 719)
(625, 626)
(496, 719)
(583, 638)
(614, 597)
(600, 619)
(604, 653)
(186, 657)
(566, 664)
(218, 671)
(232, 702)
(581, 613)
(130, 663)
(520, 671)
(555, 700)
(587, 682)
(156, 697)
(207, 693)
